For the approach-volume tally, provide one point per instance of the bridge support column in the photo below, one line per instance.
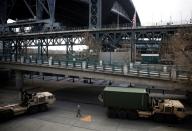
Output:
(173, 74)
(19, 79)
(95, 14)
(84, 65)
(41, 75)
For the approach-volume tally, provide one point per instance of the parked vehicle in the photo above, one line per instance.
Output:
(136, 102)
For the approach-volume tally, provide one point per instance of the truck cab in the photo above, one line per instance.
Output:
(41, 98)
(170, 107)
(31, 98)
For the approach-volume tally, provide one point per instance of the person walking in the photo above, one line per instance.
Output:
(78, 111)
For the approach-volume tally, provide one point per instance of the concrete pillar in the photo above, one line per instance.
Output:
(57, 77)
(50, 61)
(131, 65)
(101, 63)
(164, 68)
(90, 82)
(41, 75)
(19, 79)
(13, 58)
(173, 74)
(84, 64)
(22, 59)
(125, 69)
(31, 57)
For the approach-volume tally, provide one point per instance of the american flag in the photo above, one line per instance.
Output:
(134, 20)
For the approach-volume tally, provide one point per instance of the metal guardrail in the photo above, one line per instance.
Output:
(86, 28)
(150, 71)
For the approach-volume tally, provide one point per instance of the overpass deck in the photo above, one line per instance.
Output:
(146, 75)
(107, 29)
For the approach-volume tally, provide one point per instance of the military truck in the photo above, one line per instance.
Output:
(30, 103)
(135, 102)
(189, 97)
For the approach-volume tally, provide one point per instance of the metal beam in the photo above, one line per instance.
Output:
(107, 37)
(95, 14)
(42, 4)
(29, 8)
(39, 10)
(51, 5)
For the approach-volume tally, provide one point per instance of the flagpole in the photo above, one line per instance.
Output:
(134, 20)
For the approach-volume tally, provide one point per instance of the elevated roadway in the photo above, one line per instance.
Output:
(157, 78)
(171, 29)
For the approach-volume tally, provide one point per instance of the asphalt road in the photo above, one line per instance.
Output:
(62, 115)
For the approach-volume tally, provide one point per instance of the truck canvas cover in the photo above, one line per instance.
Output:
(126, 98)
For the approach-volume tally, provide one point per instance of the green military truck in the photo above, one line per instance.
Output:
(189, 97)
(136, 102)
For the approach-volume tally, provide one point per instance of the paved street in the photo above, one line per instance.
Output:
(62, 116)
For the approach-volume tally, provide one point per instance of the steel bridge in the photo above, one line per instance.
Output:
(15, 44)
(15, 49)
(53, 13)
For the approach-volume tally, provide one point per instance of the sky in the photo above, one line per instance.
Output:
(152, 12)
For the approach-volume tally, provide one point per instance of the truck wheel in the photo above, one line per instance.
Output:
(43, 108)
(111, 113)
(172, 119)
(133, 115)
(122, 114)
(6, 115)
(33, 109)
(158, 118)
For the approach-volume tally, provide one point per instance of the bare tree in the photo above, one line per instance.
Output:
(91, 42)
(94, 47)
(181, 46)
(178, 48)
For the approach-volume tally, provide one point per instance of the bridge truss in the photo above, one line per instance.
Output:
(15, 45)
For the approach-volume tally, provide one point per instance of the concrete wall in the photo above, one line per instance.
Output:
(116, 57)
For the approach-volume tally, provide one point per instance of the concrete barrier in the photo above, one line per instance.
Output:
(50, 61)
(125, 69)
(164, 68)
(100, 62)
(39, 61)
(28, 60)
(131, 65)
(22, 59)
(84, 65)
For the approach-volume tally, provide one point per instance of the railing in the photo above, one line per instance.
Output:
(137, 70)
(83, 28)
